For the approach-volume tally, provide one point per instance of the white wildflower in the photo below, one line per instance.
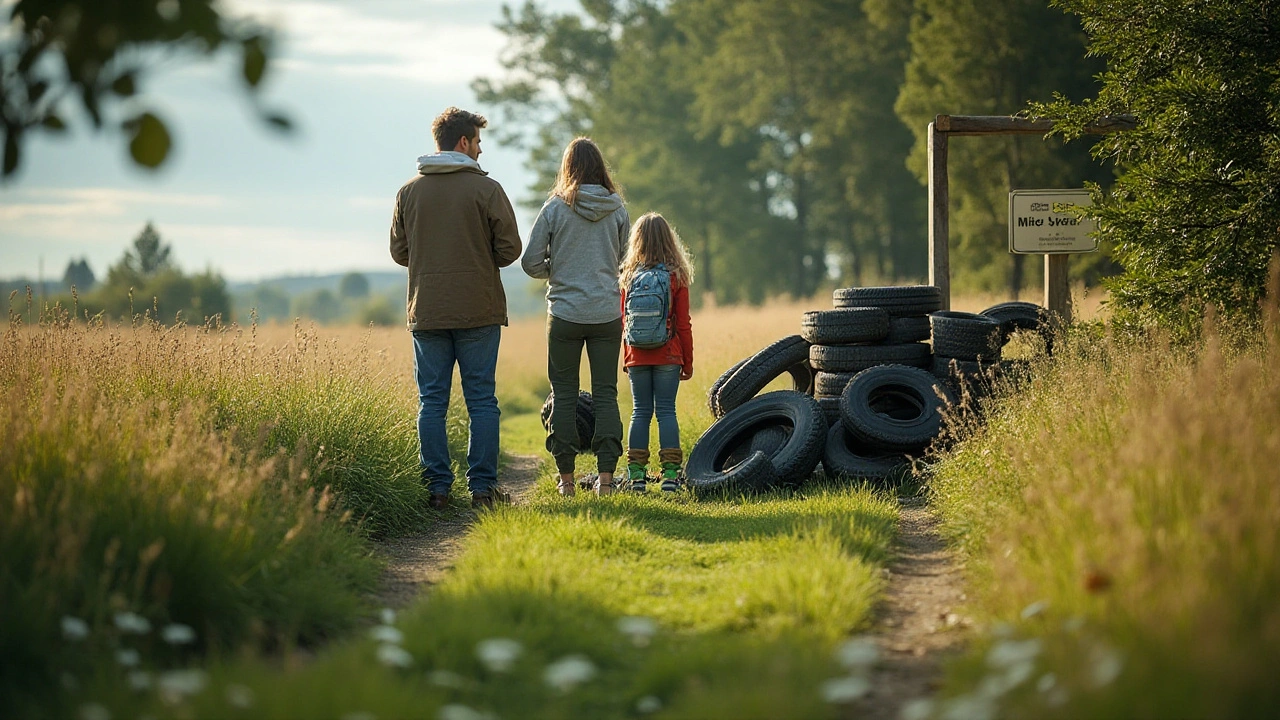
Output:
(445, 678)
(639, 629)
(73, 628)
(175, 685)
(1107, 665)
(648, 705)
(462, 712)
(1046, 682)
(386, 634)
(132, 623)
(178, 634)
(388, 616)
(128, 657)
(239, 696)
(1011, 652)
(94, 711)
(139, 680)
(568, 672)
(969, 707)
(1036, 608)
(858, 653)
(498, 654)
(917, 709)
(845, 689)
(394, 656)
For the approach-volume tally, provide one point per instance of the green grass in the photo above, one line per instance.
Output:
(749, 599)
(1121, 520)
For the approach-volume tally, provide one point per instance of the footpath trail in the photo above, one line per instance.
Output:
(415, 562)
(918, 623)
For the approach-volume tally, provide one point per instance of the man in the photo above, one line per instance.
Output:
(454, 228)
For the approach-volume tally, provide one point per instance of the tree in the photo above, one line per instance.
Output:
(990, 57)
(99, 54)
(1195, 212)
(321, 305)
(79, 275)
(353, 286)
(149, 255)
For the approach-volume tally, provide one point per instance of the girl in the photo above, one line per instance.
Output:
(656, 373)
(577, 242)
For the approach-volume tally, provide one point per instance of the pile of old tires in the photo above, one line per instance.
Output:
(868, 392)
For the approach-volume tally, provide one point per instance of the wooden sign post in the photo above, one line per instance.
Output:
(1056, 288)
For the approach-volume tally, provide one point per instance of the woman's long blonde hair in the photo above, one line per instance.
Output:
(581, 164)
(654, 241)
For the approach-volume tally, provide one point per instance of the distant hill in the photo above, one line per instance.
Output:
(525, 296)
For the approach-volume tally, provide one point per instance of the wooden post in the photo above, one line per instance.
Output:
(1057, 289)
(939, 262)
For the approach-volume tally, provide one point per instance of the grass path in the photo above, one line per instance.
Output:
(423, 559)
(918, 626)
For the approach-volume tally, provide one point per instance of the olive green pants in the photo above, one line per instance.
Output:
(565, 341)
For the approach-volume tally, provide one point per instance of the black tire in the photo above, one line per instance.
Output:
(850, 325)
(788, 355)
(794, 461)
(713, 392)
(966, 336)
(767, 439)
(898, 301)
(855, 358)
(907, 330)
(830, 405)
(1017, 315)
(894, 407)
(586, 418)
(755, 474)
(845, 457)
(831, 384)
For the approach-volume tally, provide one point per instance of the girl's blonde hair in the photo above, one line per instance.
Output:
(581, 164)
(654, 241)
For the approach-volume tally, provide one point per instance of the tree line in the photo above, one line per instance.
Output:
(787, 140)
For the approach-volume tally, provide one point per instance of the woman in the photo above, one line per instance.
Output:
(577, 244)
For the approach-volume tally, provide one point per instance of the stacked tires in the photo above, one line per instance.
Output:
(868, 390)
(896, 338)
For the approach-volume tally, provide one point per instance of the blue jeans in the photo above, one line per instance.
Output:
(475, 350)
(653, 390)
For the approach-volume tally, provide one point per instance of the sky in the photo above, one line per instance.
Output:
(361, 80)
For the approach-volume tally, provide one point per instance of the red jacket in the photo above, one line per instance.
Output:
(679, 349)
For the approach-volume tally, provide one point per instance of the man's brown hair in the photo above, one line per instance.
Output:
(454, 124)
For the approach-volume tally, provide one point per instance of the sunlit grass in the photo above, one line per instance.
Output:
(1123, 511)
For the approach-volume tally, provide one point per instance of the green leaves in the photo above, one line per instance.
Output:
(255, 60)
(151, 142)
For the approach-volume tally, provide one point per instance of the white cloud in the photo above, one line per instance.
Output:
(424, 43)
(63, 204)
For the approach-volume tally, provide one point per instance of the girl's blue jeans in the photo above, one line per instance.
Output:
(653, 392)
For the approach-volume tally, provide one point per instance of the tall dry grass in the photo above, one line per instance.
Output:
(218, 480)
(1121, 517)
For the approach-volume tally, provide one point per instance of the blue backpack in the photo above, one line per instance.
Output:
(648, 307)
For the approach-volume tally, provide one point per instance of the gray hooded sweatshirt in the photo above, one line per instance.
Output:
(577, 250)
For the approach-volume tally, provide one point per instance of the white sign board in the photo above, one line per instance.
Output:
(1048, 222)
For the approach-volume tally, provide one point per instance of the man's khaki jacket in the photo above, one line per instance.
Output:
(454, 228)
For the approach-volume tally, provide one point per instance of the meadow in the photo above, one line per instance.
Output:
(187, 517)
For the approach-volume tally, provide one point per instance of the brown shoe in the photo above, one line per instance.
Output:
(481, 501)
(438, 501)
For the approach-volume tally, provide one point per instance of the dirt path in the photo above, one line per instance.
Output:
(417, 561)
(917, 625)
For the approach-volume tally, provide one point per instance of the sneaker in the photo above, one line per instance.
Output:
(670, 477)
(636, 477)
(438, 501)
